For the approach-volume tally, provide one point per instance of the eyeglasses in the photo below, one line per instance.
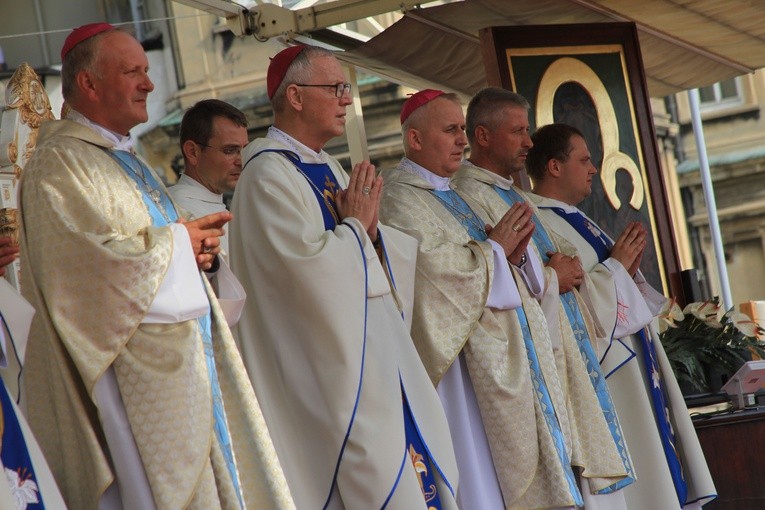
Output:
(340, 88)
(229, 150)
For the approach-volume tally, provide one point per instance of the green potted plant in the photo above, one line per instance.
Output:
(699, 341)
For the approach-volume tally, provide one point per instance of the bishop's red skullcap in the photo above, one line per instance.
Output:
(82, 33)
(421, 98)
(278, 66)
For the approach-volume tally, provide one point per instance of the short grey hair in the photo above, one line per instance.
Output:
(83, 57)
(485, 109)
(299, 71)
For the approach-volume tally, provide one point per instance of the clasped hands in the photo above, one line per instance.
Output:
(204, 233)
(630, 246)
(361, 199)
(513, 231)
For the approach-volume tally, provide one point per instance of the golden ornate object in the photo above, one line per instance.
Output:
(9, 223)
(560, 72)
(25, 93)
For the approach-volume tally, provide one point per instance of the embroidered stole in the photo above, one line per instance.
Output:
(602, 245)
(469, 220)
(162, 218)
(322, 181)
(544, 245)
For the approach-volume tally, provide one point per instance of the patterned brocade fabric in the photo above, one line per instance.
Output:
(92, 265)
(452, 285)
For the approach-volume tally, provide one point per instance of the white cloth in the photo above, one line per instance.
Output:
(618, 301)
(194, 198)
(310, 320)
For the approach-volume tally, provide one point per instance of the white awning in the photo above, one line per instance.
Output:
(684, 43)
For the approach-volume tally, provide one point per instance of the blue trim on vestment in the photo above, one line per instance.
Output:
(570, 305)
(632, 356)
(204, 323)
(125, 158)
(415, 440)
(361, 374)
(15, 454)
(457, 205)
(591, 233)
(16, 355)
(602, 246)
(710, 497)
(542, 393)
(661, 413)
(320, 176)
(398, 479)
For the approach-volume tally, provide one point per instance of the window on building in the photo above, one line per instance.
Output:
(722, 94)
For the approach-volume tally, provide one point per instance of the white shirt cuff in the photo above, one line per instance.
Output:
(533, 274)
(503, 294)
(181, 295)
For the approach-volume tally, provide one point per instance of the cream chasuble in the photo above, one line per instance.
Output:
(607, 285)
(325, 345)
(452, 285)
(597, 438)
(93, 264)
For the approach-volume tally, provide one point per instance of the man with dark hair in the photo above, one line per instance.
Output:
(135, 388)
(213, 134)
(482, 336)
(669, 464)
(498, 131)
(325, 332)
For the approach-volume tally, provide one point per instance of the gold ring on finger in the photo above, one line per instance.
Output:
(517, 227)
(365, 190)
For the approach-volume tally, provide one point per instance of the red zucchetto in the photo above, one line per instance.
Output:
(278, 66)
(82, 33)
(421, 98)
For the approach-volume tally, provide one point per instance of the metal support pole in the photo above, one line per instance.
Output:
(709, 196)
(354, 128)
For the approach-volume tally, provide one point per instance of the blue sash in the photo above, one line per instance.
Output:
(469, 219)
(544, 245)
(588, 230)
(322, 181)
(15, 456)
(602, 246)
(162, 219)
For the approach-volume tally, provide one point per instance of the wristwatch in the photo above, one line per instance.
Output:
(523, 261)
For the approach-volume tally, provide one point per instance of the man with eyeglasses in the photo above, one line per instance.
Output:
(213, 134)
(325, 333)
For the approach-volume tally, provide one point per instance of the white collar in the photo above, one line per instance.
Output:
(120, 142)
(438, 182)
(553, 202)
(305, 153)
(500, 181)
(199, 191)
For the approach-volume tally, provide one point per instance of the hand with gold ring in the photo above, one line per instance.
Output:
(203, 234)
(361, 199)
(513, 231)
